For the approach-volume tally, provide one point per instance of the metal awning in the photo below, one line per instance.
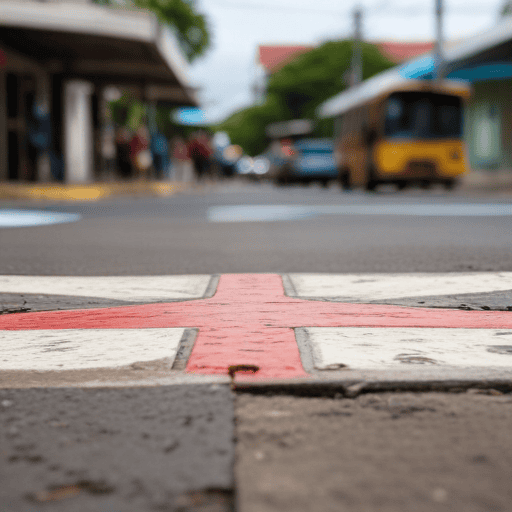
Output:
(486, 55)
(492, 45)
(101, 44)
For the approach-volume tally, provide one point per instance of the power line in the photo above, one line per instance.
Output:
(277, 7)
(384, 8)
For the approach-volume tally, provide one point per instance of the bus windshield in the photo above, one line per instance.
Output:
(419, 115)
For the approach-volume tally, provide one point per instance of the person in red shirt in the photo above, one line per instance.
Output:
(200, 152)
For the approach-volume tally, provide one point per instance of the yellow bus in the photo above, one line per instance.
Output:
(399, 131)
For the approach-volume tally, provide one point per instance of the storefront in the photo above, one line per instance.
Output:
(57, 63)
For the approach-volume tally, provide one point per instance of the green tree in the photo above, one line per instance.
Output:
(191, 27)
(297, 89)
(247, 127)
(506, 8)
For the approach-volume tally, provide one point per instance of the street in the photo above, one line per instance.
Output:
(173, 235)
(417, 436)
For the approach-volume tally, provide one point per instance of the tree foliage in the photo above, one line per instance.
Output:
(191, 26)
(506, 9)
(297, 89)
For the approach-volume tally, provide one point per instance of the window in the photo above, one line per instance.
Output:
(423, 116)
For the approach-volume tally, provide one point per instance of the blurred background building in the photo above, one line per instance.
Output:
(60, 63)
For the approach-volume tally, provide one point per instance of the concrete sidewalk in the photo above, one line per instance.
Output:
(476, 181)
(176, 429)
(327, 333)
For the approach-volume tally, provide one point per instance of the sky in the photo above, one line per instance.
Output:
(226, 73)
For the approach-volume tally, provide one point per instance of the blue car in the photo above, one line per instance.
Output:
(307, 160)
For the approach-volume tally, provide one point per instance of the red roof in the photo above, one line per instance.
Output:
(274, 57)
(399, 52)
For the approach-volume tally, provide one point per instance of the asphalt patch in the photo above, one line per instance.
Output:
(28, 302)
(132, 449)
(492, 301)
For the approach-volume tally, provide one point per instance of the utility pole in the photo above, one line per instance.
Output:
(356, 73)
(438, 50)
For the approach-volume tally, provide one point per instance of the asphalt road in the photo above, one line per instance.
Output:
(179, 234)
(172, 448)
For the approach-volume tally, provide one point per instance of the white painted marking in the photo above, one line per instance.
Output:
(265, 213)
(368, 287)
(361, 348)
(258, 213)
(80, 349)
(25, 218)
(128, 288)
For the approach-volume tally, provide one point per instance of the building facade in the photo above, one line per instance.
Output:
(58, 60)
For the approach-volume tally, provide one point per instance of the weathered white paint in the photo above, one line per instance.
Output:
(127, 288)
(361, 348)
(77, 349)
(373, 287)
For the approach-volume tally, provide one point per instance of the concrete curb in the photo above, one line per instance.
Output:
(351, 388)
(92, 192)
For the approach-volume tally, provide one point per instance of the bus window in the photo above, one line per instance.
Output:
(423, 116)
(448, 120)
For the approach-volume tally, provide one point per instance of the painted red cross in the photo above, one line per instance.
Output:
(250, 321)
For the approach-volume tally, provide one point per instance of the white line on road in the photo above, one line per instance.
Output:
(266, 213)
(26, 218)
(360, 348)
(373, 287)
(127, 288)
(77, 349)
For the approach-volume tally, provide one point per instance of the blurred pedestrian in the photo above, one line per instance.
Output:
(181, 163)
(200, 152)
(124, 164)
(140, 154)
(159, 152)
